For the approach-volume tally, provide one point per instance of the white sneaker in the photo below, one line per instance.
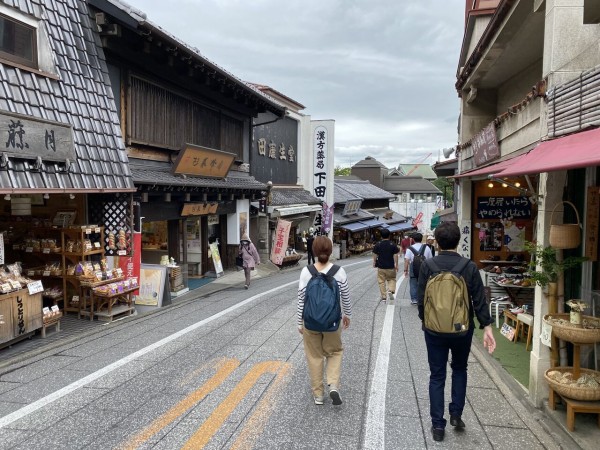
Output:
(319, 400)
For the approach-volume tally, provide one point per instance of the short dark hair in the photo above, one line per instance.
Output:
(322, 248)
(385, 233)
(418, 237)
(447, 235)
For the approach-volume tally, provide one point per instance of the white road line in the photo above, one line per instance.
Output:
(38, 404)
(375, 423)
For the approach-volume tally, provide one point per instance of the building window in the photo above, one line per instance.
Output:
(18, 42)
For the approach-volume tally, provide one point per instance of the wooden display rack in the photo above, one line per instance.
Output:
(22, 316)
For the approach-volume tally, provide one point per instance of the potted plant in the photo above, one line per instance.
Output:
(577, 307)
(549, 266)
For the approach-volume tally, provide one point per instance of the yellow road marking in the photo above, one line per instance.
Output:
(258, 420)
(224, 369)
(216, 419)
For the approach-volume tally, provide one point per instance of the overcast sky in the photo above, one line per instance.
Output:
(384, 70)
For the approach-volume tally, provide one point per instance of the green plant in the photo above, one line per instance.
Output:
(549, 266)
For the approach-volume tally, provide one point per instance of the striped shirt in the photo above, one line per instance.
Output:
(342, 281)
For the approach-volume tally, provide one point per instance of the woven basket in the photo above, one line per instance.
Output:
(567, 235)
(570, 391)
(574, 334)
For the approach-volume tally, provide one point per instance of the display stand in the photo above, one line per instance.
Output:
(107, 309)
(87, 292)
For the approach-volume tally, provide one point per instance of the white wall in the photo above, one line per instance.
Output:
(233, 221)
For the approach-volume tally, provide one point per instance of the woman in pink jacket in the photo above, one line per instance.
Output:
(249, 255)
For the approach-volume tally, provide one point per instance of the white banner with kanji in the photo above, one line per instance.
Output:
(282, 234)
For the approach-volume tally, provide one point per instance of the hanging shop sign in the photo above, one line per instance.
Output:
(203, 162)
(199, 209)
(27, 137)
(510, 208)
(352, 206)
(464, 246)
(327, 217)
(213, 220)
(282, 234)
(485, 145)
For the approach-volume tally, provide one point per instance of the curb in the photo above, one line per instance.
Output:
(548, 431)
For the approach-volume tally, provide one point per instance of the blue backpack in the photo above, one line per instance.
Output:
(322, 311)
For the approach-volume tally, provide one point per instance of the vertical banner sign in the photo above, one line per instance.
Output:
(591, 230)
(320, 172)
(464, 246)
(282, 234)
(130, 265)
(327, 212)
(216, 257)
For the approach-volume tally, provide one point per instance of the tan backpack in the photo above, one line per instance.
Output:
(446, 301)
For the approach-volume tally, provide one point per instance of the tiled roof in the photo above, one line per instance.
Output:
(361, 214)
(292, 196)
(80, 97)
(159, 177)
(369, 161)
(415, 185)
(387, 216)
(348, 189)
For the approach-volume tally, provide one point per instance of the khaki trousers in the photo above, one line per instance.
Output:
(388, 275)
(320, 348)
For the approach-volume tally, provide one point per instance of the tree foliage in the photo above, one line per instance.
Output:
(447, 186)
(342, 171)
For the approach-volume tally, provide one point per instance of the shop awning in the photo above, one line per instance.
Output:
(354, 226)
(372, 223)
(569, 152)
(401, 227)
(492, 168)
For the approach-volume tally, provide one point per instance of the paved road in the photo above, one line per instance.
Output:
(227, 371)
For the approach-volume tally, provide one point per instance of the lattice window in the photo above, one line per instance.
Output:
(115, 212)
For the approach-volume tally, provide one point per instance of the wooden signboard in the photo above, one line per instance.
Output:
(199, 209)
(591, 231)
(203, 162)
(485, 145)
(27, 137)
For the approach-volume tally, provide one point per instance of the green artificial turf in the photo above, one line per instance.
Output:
(511, 355)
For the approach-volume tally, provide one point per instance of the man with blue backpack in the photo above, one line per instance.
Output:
(323, 304)
(415, 255)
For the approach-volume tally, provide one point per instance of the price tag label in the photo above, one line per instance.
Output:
(35, 286)
(96, 244)
(88, 247)
(5, 287)
(46, 310)
(122, 253)
(45, 250)
(29, 250)
(55, 308)
(119, 272)
(75, 299)
(97, 230)
(31, 273)
(46, 273)
(88, 231)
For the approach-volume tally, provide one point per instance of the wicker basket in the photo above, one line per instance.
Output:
(570, 391)
(574, 334)
(567, 235)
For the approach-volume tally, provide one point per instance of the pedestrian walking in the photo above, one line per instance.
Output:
(447, 235)
(404, 244)
(309, 249)
(385, 259)
(324, 349)
(250, 257)
(429, 242)
(412, 262)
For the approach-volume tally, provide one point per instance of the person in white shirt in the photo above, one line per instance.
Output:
(408, 264)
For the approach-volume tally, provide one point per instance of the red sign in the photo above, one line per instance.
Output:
(130, 265)
(417, 220)
(280, 245)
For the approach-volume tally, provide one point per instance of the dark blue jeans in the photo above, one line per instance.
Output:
(437, 355)
(413, 283)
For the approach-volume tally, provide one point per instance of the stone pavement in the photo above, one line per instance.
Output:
(497, 412)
